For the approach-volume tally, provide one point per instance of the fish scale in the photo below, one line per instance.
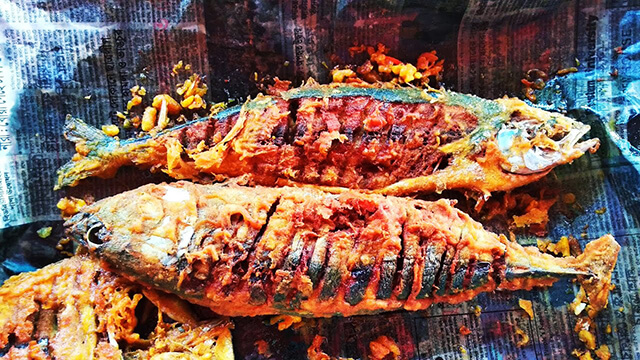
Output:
(322, 254)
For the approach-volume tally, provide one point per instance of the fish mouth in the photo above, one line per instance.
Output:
(88, 230)
(530, 147)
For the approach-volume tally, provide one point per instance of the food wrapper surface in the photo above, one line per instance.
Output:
(81, 58)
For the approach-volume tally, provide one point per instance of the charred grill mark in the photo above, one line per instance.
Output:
(433, 259)
(407, 278)
(291, 262)
(317, 261)
(360, 277)
(257, 294)
(458, 277)
(404, 275)
(292, 120)
(370, 136)
(480, 275)
(391, 275)
(300, 128)
(332, 279)
(242, 266)
(443, 278)
(280, 134)
(470, 271)
(498, 268)
(265, 271)
(396, 133)
(349, 132)
(387, 275)
(333, 276)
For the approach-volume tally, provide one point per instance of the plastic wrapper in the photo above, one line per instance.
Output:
(82, 57)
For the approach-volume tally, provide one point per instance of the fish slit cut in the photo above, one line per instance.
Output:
(399, 260)
(438, 273)
(244, 264)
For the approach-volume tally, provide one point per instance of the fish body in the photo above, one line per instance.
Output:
(245, 251)
(75, 309)
(393, 141)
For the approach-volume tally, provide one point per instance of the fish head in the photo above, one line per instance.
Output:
(87, 229)
(142, 233)
(535, 140)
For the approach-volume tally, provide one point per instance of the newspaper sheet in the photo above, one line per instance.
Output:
(81, 57)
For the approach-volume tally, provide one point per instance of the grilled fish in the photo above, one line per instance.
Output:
(74, 309)
(392, 141)
(245, 251)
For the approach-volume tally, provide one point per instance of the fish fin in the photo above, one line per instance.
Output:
(76, 130)
(95, 154)
(592, 268)
(599, 258)
(170, 304)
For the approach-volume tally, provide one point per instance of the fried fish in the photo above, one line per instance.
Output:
(393, 141)
(74, 309)
(245, 251)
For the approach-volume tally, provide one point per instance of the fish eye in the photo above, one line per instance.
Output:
(93, 235)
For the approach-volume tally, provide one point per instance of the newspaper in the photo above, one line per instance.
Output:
(81, 57)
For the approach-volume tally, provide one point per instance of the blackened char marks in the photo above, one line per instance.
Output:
(498, 268)
(433, 256)
(281, 280)
(241, 267)
(194, 134)
(458, 271)
(404, 278)
(470, 270)
(221, 128)
(391, 270)
(281, 132)
(318, 259)
(443, 280)
(273, 155)
(360, 277)
(292, 121)
(295, 266)
(380, 143)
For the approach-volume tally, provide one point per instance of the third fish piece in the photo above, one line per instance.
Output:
(245, 251)
(393, 141)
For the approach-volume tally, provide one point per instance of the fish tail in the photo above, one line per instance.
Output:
(76, 130)
(599, 259)
(96, 154)
(593, 268)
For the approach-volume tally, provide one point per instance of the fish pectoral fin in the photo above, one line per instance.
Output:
(173, 306)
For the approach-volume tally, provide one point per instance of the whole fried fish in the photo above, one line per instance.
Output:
(245, 251)
(392, 141)
(74, 309)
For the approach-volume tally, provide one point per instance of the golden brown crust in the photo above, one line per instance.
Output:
(74, 309)
(249, 251)
(392, 141)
